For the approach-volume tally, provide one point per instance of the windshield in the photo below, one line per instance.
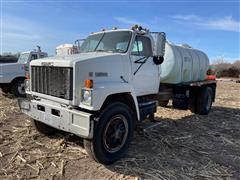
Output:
(23, 58)
(117, 41)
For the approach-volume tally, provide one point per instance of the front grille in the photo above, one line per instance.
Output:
(53, 81)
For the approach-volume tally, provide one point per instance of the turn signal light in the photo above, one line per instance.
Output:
(88, 83)
(27, 75)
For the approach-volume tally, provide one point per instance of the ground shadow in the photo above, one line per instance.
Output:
(7, 95)
(192, 147)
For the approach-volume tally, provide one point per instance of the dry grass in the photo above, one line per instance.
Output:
(183, 146)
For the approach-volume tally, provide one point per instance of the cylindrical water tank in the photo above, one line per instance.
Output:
(66, 49)
(183, 64)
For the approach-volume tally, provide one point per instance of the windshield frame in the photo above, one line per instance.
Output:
(101, 37)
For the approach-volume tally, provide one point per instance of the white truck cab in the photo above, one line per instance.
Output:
(12, 75)
(100, 93)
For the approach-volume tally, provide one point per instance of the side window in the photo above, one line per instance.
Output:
(137, 48)
(142, 46)
(42, 56)
(34, 56)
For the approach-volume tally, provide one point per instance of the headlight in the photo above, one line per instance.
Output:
(87, 97)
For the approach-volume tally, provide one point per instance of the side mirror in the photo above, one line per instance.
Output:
(159, 39)
(158, 60)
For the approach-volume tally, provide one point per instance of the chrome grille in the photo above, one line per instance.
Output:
(53, 81)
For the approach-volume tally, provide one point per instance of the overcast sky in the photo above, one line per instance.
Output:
(212, 26)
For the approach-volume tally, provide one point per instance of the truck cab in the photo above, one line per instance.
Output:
(100, 93)
(12, 75)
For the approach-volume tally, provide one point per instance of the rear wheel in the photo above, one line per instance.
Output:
(204, 101)
(43, 128)
(112, 134)
(18, 88)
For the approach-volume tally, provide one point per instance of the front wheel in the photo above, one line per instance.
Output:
(112, 134)
(18, 88)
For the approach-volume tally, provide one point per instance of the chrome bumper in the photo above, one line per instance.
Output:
(54, 115)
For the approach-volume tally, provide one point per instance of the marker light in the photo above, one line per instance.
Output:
(88, 83)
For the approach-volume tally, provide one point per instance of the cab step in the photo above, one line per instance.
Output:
(147, 110)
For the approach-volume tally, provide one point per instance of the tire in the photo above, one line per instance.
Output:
(5, 89)
(18, 88)
(163, 103)
(43, 128)
(112, 134)
(204, 101)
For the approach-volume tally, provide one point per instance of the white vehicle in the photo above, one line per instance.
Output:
(12, 75)
(114, 82)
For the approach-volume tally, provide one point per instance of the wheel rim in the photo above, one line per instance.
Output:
(21, 88)
(115, 133)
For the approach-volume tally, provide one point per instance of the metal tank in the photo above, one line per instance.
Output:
(183, 64)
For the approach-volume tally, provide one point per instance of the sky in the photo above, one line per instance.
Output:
(212, 26)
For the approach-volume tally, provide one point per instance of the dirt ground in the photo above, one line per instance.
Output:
(182, 146)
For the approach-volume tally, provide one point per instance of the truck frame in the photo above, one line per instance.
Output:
(100, 94)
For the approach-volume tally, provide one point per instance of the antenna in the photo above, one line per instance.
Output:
(38, 48)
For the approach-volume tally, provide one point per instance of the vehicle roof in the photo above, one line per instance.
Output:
(31, 52)
(111, 30)
(25, 52)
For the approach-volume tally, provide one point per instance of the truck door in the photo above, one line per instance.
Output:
(146, 77)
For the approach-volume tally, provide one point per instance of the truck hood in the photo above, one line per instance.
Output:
(70, 60)
(100, 67)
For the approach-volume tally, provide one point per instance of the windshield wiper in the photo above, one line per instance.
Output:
(99, 41)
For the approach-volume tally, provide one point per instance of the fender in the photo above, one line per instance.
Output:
(11, 71)
(102, 90)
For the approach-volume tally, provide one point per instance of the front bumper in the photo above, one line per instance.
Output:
(59, 117)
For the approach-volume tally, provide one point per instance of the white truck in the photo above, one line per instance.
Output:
(119, 78)
(12, 75)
